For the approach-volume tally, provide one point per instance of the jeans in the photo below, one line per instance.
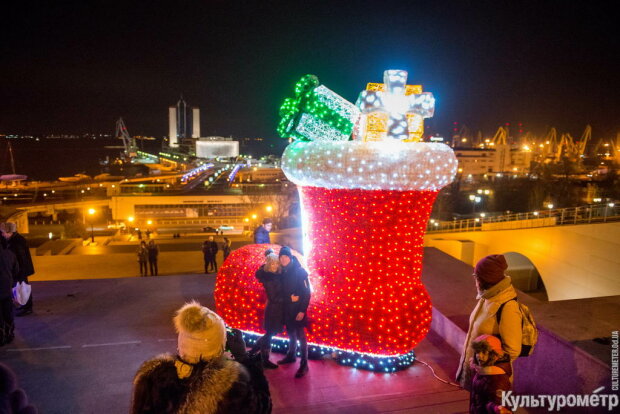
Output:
(296, 333)
(143, 269)
(153, 267)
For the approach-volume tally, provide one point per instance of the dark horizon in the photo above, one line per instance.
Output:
(76, 67)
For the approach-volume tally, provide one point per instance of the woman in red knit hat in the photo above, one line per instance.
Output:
(494, 289)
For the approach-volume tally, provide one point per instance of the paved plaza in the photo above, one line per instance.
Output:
(95, 322)
(80, 349)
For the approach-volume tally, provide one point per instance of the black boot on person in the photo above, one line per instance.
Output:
(303, 369)
(266, 362)
(288, 359)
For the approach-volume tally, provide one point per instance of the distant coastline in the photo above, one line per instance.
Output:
(50, 158)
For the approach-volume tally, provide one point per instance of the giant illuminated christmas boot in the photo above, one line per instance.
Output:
(365, 204)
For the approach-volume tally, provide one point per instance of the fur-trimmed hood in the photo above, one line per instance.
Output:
(207, 389)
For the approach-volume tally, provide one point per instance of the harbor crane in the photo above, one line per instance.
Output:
(500, 136)
(583, 142)
(131, 148)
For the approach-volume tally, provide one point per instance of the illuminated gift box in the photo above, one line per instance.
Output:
(373, 126)
(317, 113)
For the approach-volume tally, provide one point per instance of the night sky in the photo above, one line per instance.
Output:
(75, 67)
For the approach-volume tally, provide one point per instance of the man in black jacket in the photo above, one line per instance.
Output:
(296, 294)
(209, 250)
(261, 234)
(16, 243)
(9, 270)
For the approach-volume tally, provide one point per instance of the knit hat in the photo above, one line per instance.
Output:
(490, 269)
(286, 251)
(493, 343)
(202, 333)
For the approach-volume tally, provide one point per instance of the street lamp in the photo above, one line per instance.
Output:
(269, 209)
(91, 213)
(474, 199)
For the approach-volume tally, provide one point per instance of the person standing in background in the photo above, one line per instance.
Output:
(9, 270)
(143, 256)
(226, 247)
(261, 234)
(214, 249)
(209, 251)
(153, 253)
(17, 244)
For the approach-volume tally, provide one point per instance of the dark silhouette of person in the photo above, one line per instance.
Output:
(209, 250)
(143, 257)
(12, 398)
(153, 249)
(9, 271)
(226, 247)
(17, 244)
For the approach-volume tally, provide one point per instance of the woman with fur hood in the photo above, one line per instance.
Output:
(200, 379)
(494, 289)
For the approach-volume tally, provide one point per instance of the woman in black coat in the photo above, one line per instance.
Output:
(270, 276)
(296, 297)
(9, 272)
(17, 243)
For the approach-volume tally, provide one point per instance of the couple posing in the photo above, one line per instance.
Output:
(288, 295)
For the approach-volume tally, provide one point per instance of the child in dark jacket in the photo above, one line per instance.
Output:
(493, 370)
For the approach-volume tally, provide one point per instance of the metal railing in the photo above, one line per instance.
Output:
(599, 213)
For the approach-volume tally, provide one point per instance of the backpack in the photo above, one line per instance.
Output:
(528, 325)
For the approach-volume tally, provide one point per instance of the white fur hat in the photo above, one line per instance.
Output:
(202, 333)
